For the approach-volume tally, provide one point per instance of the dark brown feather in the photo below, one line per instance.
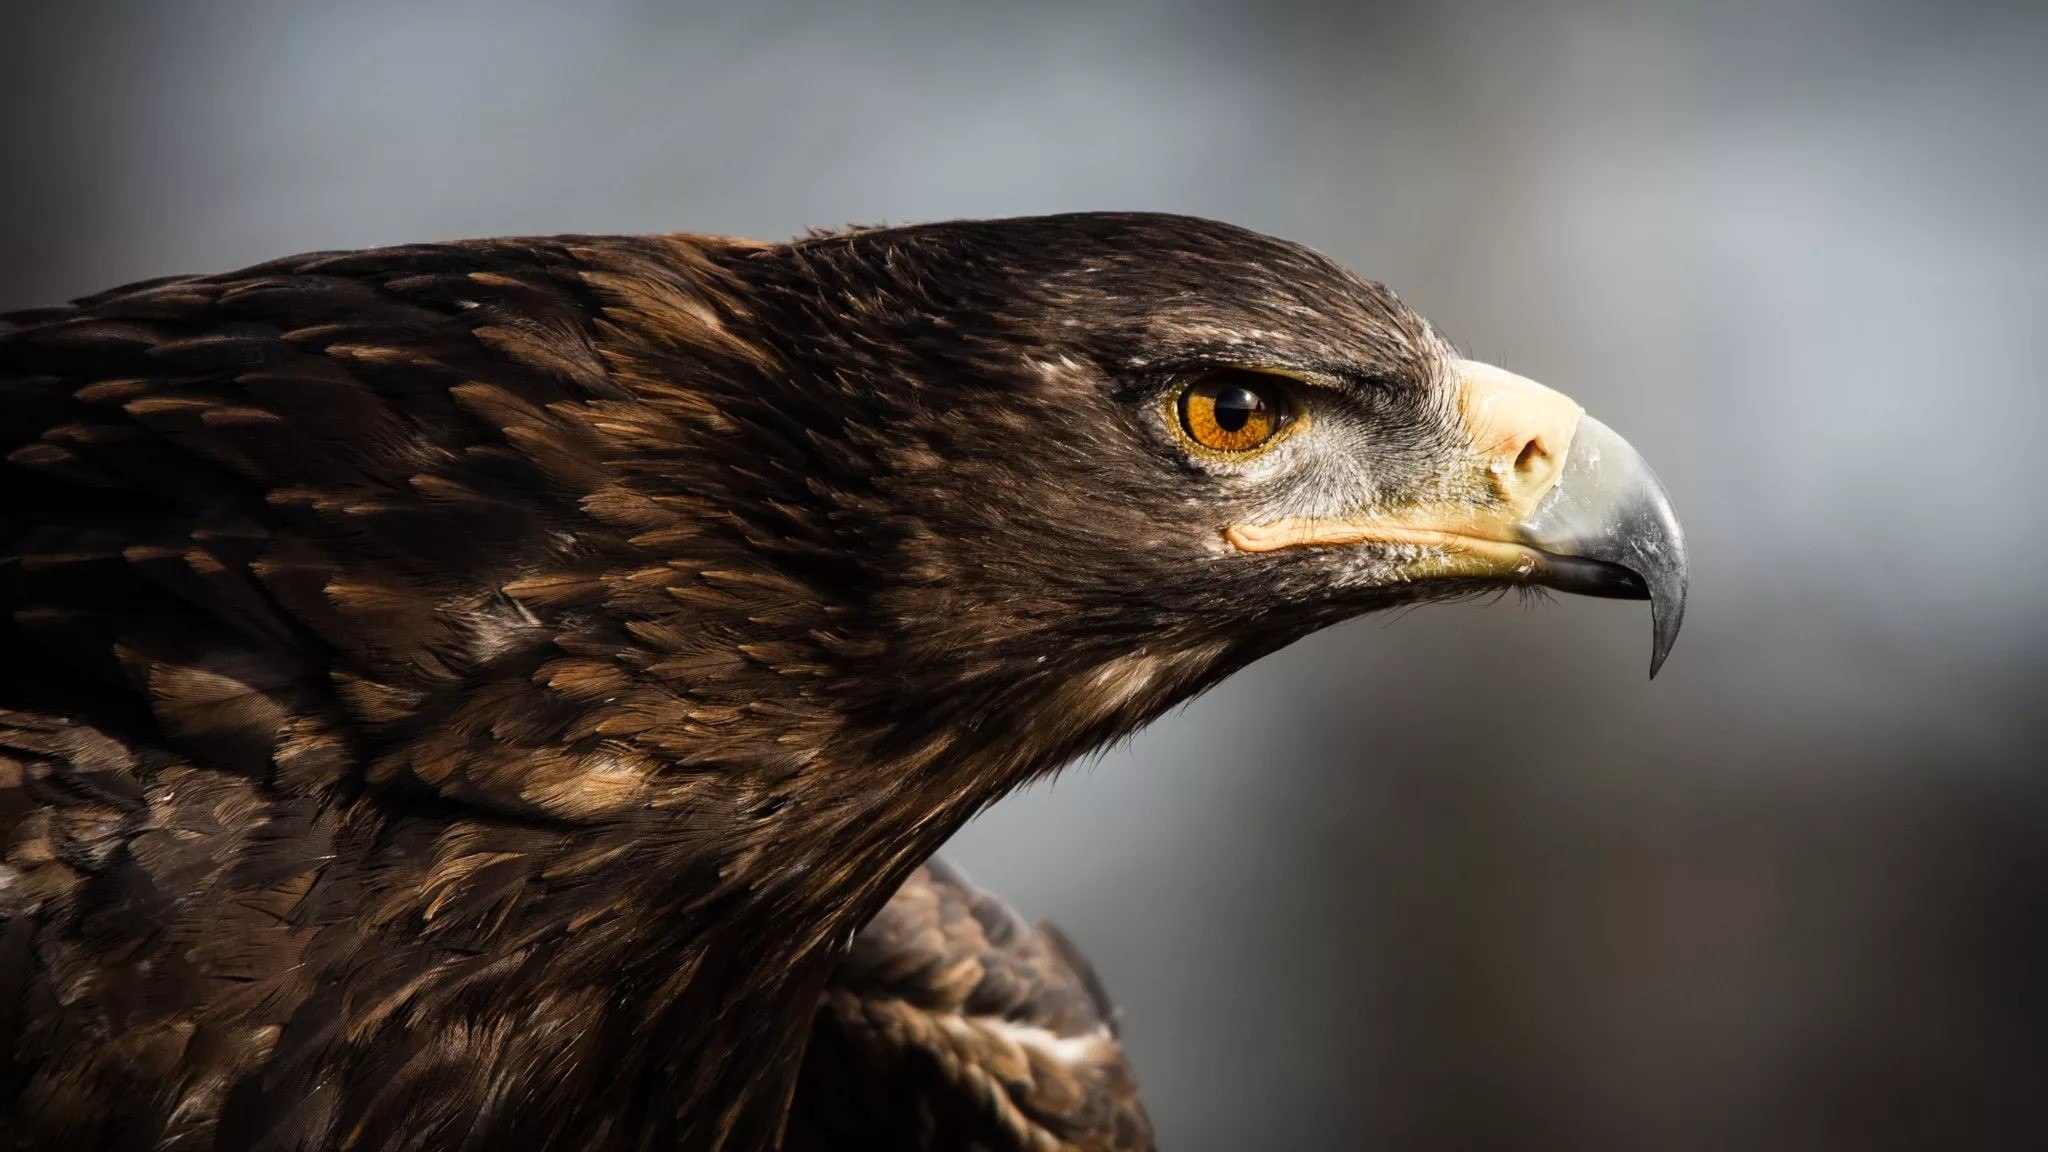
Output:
(951, 1024)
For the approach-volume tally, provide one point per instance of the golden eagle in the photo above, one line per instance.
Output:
(486, 695)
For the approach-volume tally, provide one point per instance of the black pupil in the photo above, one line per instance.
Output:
(1235, 407)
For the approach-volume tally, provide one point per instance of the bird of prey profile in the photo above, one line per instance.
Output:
(505, 694)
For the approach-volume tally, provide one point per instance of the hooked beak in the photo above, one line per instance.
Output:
(1571, 506)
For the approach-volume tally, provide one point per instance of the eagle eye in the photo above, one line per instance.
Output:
(1235, 412)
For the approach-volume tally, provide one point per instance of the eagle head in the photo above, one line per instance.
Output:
(1099, 460)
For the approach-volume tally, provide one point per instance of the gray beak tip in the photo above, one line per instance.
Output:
(1667, 572)
(1609, 513)
(1665, 617)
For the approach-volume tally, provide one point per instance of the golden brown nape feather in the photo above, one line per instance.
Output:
(333, 592)
(952, 1025)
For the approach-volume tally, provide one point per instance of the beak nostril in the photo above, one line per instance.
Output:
(1532, 457)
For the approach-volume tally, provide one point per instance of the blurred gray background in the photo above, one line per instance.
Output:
(1461, 879)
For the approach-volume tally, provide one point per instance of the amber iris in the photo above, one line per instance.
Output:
(1234, 413)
